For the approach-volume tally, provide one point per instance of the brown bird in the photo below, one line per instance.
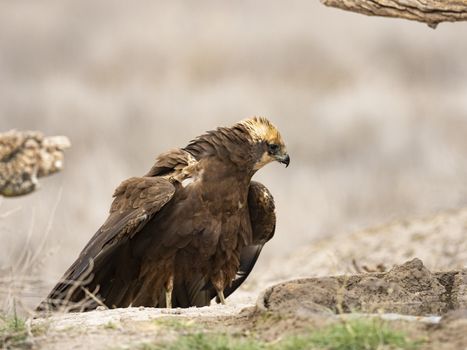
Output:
(189, 230)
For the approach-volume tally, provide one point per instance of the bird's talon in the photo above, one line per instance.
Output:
(221, 297)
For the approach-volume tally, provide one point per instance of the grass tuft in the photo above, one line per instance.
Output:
(369, 334)
(176, 324)
(207, 341)
(13, 333)
(110, 325)
(362, 334)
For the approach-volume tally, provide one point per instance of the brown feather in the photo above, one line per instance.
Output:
(192, 219)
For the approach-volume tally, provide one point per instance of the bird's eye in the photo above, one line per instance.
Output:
(273, 148)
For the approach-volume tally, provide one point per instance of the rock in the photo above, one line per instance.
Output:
(409, 289)
(459, 290)
(454, 316)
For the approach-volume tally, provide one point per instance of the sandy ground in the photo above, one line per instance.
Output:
(413, 295)
(429, 306)
(439, 241)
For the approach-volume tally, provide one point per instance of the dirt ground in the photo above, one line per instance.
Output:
(427, 305)
(425, 302)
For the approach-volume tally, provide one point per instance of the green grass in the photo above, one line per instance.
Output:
(370, 334)
(13, 332)
(176, 324)
(207, 341)
(110, 325)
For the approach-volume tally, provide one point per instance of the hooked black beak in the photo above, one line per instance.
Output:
(284, 159)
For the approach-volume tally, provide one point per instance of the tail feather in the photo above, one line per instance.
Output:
(191, 293)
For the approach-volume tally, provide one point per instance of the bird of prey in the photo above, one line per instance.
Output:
(188, 231)
(26, 156)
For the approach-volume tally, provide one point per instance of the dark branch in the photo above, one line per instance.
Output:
(430, 12)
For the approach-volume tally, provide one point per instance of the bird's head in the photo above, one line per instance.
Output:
(267, 140)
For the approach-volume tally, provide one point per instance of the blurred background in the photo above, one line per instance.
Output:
(373, 110)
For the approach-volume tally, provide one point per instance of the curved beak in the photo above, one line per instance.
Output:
(284, 159)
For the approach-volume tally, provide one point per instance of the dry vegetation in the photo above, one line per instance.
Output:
(373, 111)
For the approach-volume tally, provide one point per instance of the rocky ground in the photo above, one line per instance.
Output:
(378, 278)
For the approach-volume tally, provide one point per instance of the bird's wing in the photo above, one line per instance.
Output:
(172, 162)
(263, 224)
(136, 201)
(262, 213)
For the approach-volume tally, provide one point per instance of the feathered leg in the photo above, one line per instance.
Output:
(219, 284)
(169, 286)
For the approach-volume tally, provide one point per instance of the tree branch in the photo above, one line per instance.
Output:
(26, 156)
(431, 12)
